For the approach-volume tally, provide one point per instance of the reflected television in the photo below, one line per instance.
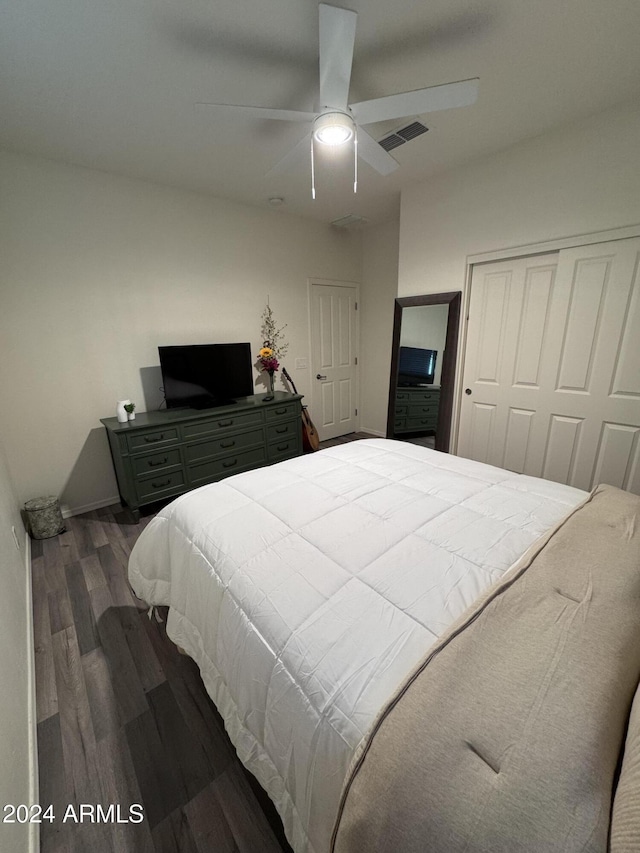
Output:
(416, 366)
(201, 376)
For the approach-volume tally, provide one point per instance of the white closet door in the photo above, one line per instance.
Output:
(553, 366)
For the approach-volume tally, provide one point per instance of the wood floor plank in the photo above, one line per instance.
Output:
(54, 566)
(209, 825)
(60, 612)
(186, 753)
(173, 835)
(78, 525)
(97, 533)
(198, 711)
(112, 568)
(119, 786)
(124, 675)
(46, 693)
(68, 547)
(84, 620)
(76, 725)
(248, 825)
(78, 741)
(54, 836)
(130, 608)
(161, 788)
(102, 699)
(92, 570)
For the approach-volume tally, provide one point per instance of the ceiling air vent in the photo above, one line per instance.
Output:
(349, 221)
(399, 137)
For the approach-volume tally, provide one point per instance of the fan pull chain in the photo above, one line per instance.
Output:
(313, 173)
(355, 159)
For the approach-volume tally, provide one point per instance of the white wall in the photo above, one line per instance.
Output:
(97, 271)
(581, 179)
(426, 326)
(17, 783)
(577, 180)
(380, 277)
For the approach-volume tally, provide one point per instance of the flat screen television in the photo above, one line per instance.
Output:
(201, 376)
(416, 366)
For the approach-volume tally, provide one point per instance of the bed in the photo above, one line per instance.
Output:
(308, 591)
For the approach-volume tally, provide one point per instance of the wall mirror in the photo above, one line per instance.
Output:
(423, 365)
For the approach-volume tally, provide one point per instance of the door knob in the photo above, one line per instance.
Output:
(318, 376)
(467, 390)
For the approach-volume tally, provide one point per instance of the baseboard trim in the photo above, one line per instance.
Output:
(68, 511)
(32, 714)
(375, 432)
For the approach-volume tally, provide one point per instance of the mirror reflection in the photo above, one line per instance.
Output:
(423, 369)
(422, 342)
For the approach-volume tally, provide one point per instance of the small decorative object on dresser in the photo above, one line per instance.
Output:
(121, 412)
(130, 409)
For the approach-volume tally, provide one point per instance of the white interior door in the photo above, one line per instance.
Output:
(334, 359)
(553, 366)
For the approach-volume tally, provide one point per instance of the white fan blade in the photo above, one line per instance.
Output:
(257, 112)
(290, 158)
(374, 154)
(417, 102)
(337, 37)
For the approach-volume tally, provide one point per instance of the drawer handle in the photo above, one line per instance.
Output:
(150, 440)
(159, 462)
(280, 430)
(162, 484)
(226, 444)
(230, 464)
(282, 447)
(225, 423)
(281, 411)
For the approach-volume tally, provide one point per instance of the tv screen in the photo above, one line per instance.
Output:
(416, 366)
(205, 375)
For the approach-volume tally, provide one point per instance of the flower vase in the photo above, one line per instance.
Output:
(271, 382)
(132, 416)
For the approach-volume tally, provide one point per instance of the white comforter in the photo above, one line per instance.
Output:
(308, 590)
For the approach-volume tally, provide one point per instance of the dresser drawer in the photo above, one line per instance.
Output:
(284, 449)
(160, 486)
(211, 426)
(223, 445)
(424, 397)
(216, 469)
(147, 463)
(277, 431)
(147, 439)
(400, 423)
(286, 410)
(423, 410)
(422, 423)
(401, 409)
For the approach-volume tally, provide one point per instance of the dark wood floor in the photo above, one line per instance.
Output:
(123, 718)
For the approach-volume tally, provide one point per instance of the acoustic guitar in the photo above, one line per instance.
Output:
(310, 440)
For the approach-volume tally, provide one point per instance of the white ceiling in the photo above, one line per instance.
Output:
(112, 85)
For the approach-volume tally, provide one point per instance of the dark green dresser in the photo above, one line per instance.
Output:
(163, 454)
(416, 410)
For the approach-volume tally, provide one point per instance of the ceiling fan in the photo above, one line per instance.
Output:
(338, 122)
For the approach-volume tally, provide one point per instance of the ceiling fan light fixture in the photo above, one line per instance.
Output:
(333, 128)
